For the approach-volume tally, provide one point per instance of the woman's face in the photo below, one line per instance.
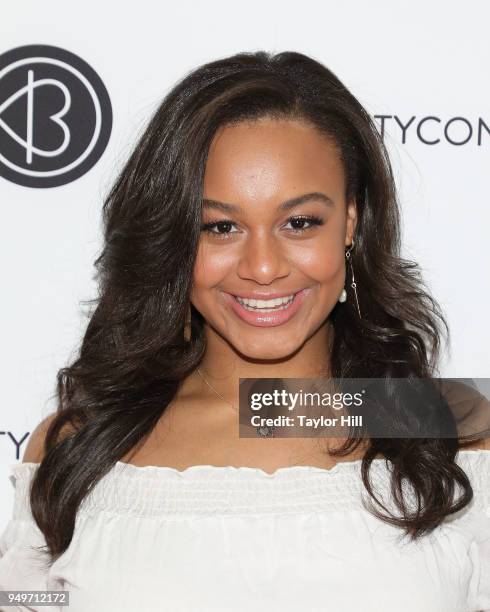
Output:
(277, 224)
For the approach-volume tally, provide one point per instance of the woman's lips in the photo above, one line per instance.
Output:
(266, 319)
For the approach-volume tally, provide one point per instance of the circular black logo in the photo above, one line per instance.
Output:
(55, 116)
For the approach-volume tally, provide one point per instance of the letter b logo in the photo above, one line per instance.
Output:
(55, 116)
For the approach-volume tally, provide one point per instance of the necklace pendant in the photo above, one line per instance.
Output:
(266, 432)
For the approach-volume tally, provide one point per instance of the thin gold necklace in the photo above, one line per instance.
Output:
(264, 432)
(214, 390)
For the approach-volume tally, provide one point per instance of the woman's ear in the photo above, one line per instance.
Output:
(351, 222)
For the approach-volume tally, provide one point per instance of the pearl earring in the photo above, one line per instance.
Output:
(343, 296)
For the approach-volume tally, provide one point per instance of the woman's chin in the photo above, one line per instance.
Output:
(266, 350)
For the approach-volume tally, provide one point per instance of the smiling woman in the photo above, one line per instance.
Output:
(253, 233)
(272, 246)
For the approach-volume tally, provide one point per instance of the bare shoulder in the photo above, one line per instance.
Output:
(34, 451)
(35, 445)
(483, 444)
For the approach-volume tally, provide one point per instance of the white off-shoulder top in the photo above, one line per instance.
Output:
(232, 539)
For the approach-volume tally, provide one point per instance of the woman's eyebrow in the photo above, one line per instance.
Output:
(302, 199)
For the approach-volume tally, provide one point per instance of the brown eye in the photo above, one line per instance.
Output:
(223, 228)
(298, 223)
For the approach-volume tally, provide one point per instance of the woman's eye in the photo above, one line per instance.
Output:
(223, 229)
(298, 223)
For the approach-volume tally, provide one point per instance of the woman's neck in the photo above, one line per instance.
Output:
(223, 366)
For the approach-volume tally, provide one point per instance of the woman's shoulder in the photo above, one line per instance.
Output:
(35, 449)
(482, 444)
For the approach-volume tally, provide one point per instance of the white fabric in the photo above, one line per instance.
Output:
(223, 538)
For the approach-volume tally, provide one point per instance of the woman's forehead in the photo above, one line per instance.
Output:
(271, 158)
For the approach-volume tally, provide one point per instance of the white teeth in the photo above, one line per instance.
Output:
(275, 304)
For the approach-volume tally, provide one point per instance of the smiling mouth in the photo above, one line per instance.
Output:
(273, 305)
(266, 313)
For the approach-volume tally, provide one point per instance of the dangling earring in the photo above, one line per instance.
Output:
(343, 295)
(187, 325)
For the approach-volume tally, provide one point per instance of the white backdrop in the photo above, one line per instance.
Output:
(402, 60)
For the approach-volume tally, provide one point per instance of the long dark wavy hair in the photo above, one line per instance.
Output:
(133, 356)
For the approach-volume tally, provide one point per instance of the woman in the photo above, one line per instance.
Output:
(260, 177)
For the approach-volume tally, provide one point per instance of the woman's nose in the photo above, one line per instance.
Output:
(263, 260)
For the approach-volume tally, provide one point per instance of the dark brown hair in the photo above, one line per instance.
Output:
(133, 356)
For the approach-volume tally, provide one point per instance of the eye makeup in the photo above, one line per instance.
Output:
(223, 224)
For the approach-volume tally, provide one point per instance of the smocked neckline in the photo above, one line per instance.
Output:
(285, 471)
(206, 490)
(235, 470)
(253, 471)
